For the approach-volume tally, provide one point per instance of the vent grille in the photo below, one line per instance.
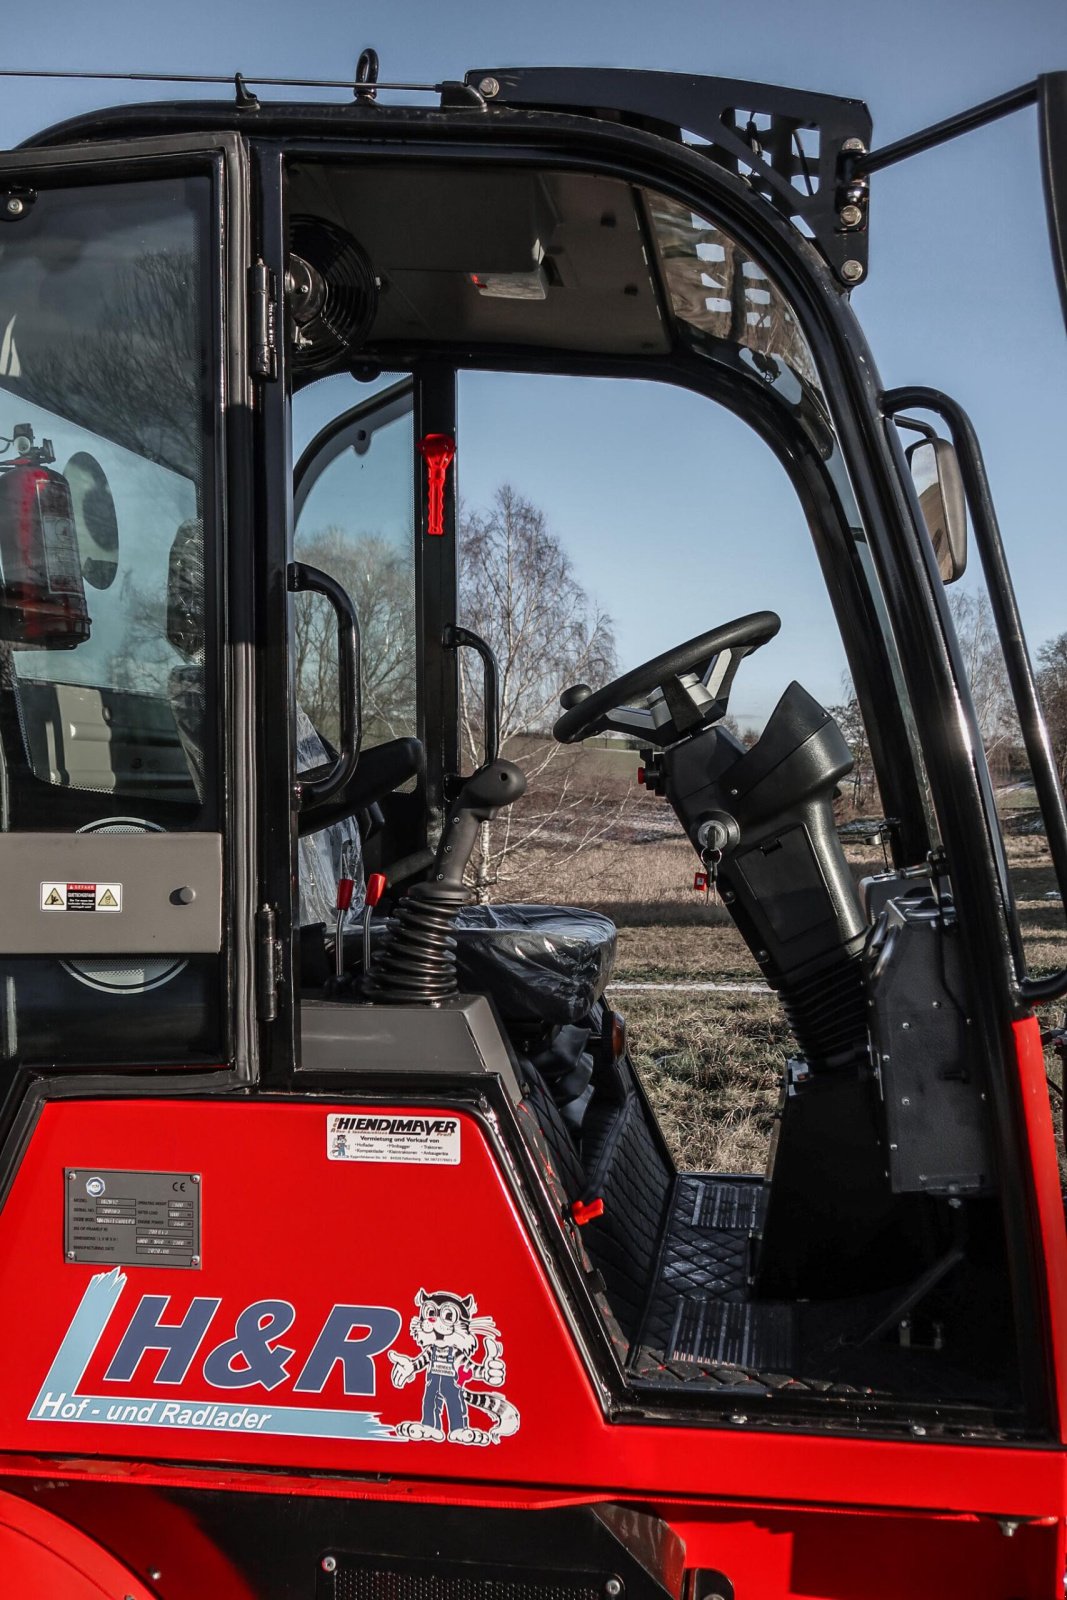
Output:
(373, 1578)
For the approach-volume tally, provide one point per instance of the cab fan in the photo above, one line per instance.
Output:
(331, 292)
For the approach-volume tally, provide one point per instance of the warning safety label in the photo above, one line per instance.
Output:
(81, 897)
(408, 1141)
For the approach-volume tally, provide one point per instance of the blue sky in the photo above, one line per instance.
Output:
(675, 523)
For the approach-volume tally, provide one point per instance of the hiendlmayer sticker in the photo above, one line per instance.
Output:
(81, 897)
(411, 1141)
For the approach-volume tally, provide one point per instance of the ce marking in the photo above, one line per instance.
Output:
(179, 1186)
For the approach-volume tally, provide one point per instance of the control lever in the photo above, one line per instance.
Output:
(492, 786)
(377, 884)
(345, 890)
(416, 963)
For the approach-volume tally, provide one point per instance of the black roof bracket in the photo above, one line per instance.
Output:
(795, 148)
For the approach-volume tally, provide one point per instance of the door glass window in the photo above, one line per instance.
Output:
(355, 520)
(109, 720)
(103, 608)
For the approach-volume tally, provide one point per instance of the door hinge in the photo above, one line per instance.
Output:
(263, 317)
(268, 963)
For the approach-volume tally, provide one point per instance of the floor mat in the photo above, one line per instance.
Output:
(698, 1323)
(700, 1330)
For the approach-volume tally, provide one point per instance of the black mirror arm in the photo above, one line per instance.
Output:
(303, 579)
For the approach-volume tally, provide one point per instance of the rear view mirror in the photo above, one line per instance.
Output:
(42, 590)
(936, 473)
(1052, 113)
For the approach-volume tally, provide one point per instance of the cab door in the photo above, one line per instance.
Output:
(126, 922)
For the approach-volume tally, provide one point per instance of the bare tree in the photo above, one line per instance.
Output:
(135, 374)
(983, 661)
(1052, 683)
(519, 591)
(860, 787)
(379, 578)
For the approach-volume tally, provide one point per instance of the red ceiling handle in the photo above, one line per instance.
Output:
(438, 451)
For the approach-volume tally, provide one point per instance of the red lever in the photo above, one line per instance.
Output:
(584, 1211)
(376, 887)
(438, 451)
(345, 890)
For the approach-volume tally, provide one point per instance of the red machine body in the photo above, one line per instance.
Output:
(342, 1254)
(353, 1243)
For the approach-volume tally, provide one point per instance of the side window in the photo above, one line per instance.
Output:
(103, 607)
(355, 520)
(109, 710)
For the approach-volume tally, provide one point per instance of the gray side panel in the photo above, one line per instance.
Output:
(462, 1037)
(155, 873)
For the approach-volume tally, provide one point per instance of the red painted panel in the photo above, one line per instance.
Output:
(43, 1555)
(1044, 1166)
(294, 1235)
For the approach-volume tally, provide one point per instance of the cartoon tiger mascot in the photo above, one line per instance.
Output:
(447, 1332)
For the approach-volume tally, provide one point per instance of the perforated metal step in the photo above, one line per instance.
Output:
(709, 1332)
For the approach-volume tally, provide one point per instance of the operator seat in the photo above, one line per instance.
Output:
(543, 965)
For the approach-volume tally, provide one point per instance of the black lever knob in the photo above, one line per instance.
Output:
(574, 696)
(492, 786)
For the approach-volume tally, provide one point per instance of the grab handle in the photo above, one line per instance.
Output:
(456, 638)
(310, 790)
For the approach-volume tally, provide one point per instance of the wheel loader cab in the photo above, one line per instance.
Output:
(329, 430)
(429, 281)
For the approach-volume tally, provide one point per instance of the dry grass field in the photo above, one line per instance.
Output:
(711, 1061)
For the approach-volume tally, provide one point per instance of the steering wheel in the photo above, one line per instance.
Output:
(681, 707)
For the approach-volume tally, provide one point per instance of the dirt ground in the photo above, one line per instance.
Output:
(712, 1061)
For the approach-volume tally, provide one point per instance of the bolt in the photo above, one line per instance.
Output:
(155, 1574)
(72, 1255)
(194, 1261)
(918, 1430)
(904, 1100)
(762, 955)
(613, 1588)
(1009, 1526)
(905, 1024)
(851, 216)
(855, 147)
(195, 1177)
(329, 1563)
(738, 1417)
(490, 88)
(15, 206)
(852, 271)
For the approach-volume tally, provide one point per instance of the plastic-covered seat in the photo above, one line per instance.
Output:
(541, 964)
